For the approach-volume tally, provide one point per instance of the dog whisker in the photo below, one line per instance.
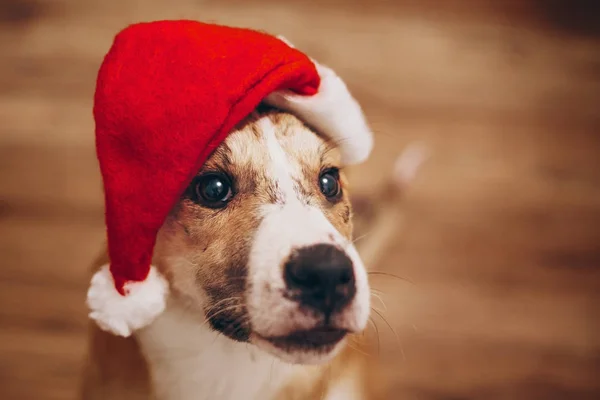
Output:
(221, 311)
(216, 307)
(359, 346)
(393, 331)
(358, 350)
(390, 275)
(378, 297)
(213, 306)
(372, 321)
(360, 237)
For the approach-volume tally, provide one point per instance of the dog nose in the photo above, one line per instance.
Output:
(322, 277)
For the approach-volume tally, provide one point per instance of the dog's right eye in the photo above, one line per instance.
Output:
(213, 190)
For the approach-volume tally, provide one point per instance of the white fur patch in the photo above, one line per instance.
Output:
(121, 315)
(190, 361)
(291, 224)
(333, 112)
(280, 169)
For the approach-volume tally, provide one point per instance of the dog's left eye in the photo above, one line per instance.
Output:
(213, 190)
(329, 182)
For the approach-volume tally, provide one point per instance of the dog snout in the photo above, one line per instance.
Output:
(321, 277)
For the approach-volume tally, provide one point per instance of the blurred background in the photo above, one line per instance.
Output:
(501, 238)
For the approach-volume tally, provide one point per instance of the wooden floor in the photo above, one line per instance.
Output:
(502, 233)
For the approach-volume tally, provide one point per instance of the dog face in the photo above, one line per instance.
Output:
(260, 244)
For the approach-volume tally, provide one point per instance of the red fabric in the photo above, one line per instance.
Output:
(168, 93)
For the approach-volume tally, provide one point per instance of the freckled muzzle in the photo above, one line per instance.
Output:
(308, 287)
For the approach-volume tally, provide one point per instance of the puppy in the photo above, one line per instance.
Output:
(268, 293)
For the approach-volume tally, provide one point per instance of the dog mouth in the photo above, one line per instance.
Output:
(321, 339)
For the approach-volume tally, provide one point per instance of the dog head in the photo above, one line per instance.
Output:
(260, 245)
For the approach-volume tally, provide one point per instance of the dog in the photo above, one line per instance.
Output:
(269, 296)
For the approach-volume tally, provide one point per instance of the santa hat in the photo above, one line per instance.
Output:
(168, 93)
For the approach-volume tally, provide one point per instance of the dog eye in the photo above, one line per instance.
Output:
(213, 190)
(329, 182)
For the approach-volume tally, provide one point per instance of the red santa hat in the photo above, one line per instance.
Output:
(168, 93)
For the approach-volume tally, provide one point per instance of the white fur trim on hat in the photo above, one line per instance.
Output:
(333, 112)
(122, 315)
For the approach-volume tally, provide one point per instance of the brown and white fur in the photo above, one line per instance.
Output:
(228, 295)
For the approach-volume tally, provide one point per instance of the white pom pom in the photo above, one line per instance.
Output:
(122, 315)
